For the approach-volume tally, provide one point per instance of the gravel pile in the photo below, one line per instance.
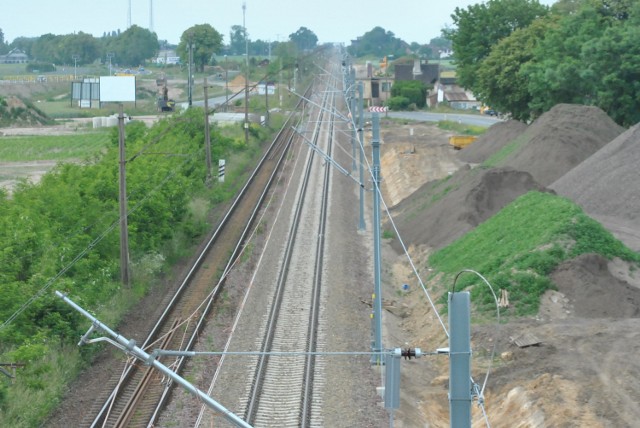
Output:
(496, 137)
(462, 202)
(606, 185)
(561, 139)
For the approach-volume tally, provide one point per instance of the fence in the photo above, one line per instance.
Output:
(27, 78)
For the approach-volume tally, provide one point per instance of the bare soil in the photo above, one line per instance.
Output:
(583, 371)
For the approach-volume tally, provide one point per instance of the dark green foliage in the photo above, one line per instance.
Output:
(398, 103)
(304, 39)
(523, 60)
(207, 42)
(414, 90)
(44, 227)
(378, 42)
(481, 26)
(42, 67)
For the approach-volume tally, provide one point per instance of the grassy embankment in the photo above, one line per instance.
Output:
(519, 247)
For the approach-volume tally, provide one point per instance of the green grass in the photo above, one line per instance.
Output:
(520, 246)
(461, 128)
(55, 147)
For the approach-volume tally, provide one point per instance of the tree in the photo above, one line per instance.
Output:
(24, 43)
(84, 45)
(559, 74)
(501, 82)
(304, 39)
(206, 40)
(3, 45)
(44, 49)
(612, 62)
(378, 42)
(481, 26)
(259, 47)
(237, 40)
(413, 90)
(134, 46)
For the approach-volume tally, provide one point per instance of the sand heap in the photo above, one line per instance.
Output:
(496, 137)
(464, 201)
(561, 139)
(606, 186)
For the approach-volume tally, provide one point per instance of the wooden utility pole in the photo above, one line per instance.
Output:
(207, 134)
(124, 233)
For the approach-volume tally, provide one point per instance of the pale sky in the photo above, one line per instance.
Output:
(269, 20)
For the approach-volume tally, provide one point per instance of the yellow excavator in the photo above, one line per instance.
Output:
(164, 103)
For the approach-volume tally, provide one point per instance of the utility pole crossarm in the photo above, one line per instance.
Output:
(129, 346)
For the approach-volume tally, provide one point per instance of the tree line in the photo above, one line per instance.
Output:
(136, 45)
(62, 234)
(522, 58)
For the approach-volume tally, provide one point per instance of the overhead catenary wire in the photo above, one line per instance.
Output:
(397, 232)
(495, 341)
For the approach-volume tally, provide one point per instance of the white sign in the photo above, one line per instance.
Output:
(117, 88)
(221, 167)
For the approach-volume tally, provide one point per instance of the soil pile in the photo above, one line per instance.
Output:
(457, 205)
(606, 186)
(496, 137)
(593, 292)
(15, 112)
(561, 139)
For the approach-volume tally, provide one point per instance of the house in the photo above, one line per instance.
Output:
(427, 73)
(15, 56)
(376, 89)
(446, 90)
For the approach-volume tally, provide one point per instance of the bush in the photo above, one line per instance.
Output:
(41, 67)
(398, 103)
(414, 90)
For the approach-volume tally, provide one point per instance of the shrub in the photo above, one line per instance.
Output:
(398, 103)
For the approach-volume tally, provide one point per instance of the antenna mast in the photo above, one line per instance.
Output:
(129, 15)
(151, 16)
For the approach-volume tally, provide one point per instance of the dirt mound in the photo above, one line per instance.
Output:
(606, 186)
(559, 140)
(440, 212)
(496, 137)
(593, 291)
(15, 112)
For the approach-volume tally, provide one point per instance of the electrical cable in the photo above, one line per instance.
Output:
(497, 335)
(400, 240)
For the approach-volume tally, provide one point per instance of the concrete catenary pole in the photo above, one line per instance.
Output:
(377, 259)
(460, 360)
(360, 107)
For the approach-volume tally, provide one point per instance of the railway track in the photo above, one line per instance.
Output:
(281, 392)
(135, 398)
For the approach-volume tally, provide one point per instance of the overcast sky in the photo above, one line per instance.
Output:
(331, 20)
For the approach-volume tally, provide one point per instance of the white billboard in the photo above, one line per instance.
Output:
(117, 88)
